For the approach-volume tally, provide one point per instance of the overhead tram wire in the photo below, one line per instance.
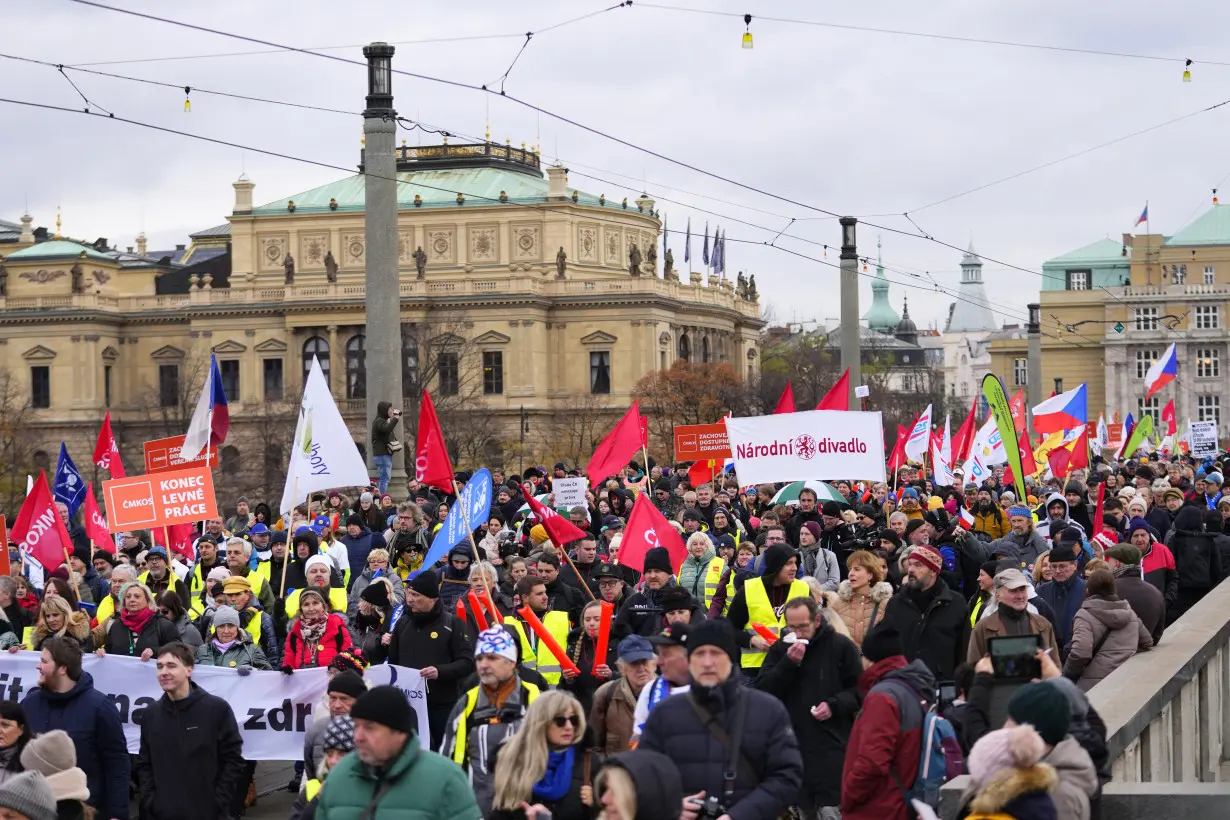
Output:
(551, 114)
(318, 163)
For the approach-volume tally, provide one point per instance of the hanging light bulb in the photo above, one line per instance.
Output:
(747, 34)
(1187, 72)
(187, 102)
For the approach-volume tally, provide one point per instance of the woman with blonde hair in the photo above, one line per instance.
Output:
(58, 619)
(639, 785)
(1042, 568)
(547, 765)
(861, 599)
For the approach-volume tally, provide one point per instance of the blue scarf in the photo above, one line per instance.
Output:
(558, 778)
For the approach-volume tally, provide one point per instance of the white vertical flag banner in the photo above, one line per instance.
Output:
(920, 437)
(323, 456)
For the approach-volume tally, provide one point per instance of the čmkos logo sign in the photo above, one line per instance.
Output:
(804, 446)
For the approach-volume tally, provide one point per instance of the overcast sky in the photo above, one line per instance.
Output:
(845, 121)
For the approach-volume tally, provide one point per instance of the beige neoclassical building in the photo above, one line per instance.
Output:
(521, 312)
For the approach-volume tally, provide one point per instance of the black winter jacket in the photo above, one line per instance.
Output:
(938, 633)
(569, 807)
(1144, 599)
(768, 742)
(196, 735)
(1196, 557)
(829, 674)
(581, 648)
(436, 639)
(158, 631)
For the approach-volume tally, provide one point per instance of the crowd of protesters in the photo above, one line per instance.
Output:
(811, 643)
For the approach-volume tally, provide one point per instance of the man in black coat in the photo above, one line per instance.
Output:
(564, 597)
(814, 671)
(806, 511)
(1196, 559)
(421, 635)
(187, 730)
(641, 612)
(757, 723)
(930, 616)
(1142, 597)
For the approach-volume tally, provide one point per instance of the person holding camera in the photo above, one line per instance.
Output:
(1010, 614)
(384, 445)
(722, 726)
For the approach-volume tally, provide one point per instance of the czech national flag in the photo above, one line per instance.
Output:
(1163, 372)
(1062, 412)
(966, 519)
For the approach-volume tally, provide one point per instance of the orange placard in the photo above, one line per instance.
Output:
(1114, 434)
(159, 500)
(162, 455)
(694, 442)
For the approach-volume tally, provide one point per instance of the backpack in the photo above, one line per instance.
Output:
(940, 759)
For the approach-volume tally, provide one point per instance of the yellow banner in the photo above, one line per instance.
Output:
(993, 389)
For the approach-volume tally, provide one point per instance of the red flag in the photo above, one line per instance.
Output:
(177, 541)
(702, 472)
(619, 446)
(1098, 509)
(785, 404)
(95, 524)
(1172, 425)
(838, 397)
(561, 530)
(107, 450)
(963, 441)
(648, 528)
(431, 463)
(38, 530)
(897, 458)
(645, 436)
(1080, 451)
(1017, 406)
(1028, 465)
(1060, 460)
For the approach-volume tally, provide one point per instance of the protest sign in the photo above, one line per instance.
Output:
(162, 455)
(570, 492)
(472, 505)
(814, 444)
(700, 442)
(1202, 438)
(273, 710)
(158, 500)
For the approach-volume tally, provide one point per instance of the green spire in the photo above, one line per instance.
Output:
(880, 316)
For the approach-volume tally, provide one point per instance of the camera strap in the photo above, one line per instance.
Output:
(737, 759)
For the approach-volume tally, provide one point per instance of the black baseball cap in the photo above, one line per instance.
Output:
(673, 635)
(605, 571)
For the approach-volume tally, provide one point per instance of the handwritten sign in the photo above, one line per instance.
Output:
(159, 500)
(570, 492)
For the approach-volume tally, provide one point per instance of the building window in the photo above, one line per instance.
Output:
(40, 386)
(1078, 280)
(1208, 317)
(1208, 408)
(228, 461)
(449, 369)
(42, 461)
(106, 385)
(600, 371)
(1208, 363)
(273, 379)
(168, 385)
(685, 348)
(704, 349)
(1208, 274)
(1178, 274)
(409, 362)
(1020, 372)
(316, 346)
(229, 370)
(493, 373)
(1145, 318)
(1152, 407)
(356, 367)
(1145, 360)
(662, 360)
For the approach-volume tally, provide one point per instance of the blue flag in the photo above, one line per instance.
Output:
(475, 500)
(69, 486)
(705, 252)
(687, 242)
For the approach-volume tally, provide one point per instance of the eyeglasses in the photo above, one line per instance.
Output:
(561, 721)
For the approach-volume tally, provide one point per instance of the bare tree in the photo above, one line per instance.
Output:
(18, 441)
(578, 424)
(166, 407)
(256, 466)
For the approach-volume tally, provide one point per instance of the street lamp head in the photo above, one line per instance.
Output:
(1035, 318)
(847, 233)
(1058, 384)
(379, 76)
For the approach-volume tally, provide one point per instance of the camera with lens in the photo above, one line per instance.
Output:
(710, 808)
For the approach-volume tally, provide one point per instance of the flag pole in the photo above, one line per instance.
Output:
(290, 544)
(465, 516)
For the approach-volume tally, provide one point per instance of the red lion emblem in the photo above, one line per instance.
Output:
(805, 447)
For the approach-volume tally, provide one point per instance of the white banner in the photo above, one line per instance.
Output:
(813, 444)
(273, 710)
(570, 492)
(1202, 438)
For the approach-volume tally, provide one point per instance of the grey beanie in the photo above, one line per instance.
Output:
(225, 615)
(49, 753)
(29, 794)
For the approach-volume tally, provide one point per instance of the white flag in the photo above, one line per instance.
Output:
(920, 437)
(986, 451)
(946, 447)
(323, 456)
(942, 471)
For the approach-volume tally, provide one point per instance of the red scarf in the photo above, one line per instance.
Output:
(136, 621)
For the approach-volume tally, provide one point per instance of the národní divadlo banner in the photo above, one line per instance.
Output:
(273, 710)
(815, 444)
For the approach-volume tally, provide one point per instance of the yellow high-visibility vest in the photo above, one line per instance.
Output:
(463, 728)
(760, 611)
(543, 661)
(312, 789)
(337, 597)
(713, 579)
(105, 609)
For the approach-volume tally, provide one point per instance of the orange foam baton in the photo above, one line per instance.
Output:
(553, 646)
(764, 632)
(478, 611)
(604, 634)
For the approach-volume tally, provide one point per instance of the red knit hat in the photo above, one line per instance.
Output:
(929, 556)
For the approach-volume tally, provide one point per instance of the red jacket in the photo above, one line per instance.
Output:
(298, 655)
(880, 739)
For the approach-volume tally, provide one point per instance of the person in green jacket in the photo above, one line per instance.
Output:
(229, 646)
(389, 776)
(692, 571)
